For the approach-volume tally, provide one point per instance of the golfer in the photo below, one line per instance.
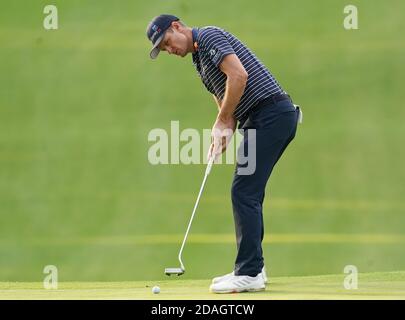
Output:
(246, 94)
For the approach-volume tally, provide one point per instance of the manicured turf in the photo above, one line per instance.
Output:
(389, 285)
(77, 104)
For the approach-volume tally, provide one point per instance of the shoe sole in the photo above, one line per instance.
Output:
(240, 290)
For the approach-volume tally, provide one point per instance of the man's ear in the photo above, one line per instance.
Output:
(175, 25)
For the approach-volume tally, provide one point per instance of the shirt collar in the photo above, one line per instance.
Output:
(194, 55)
(195, 32)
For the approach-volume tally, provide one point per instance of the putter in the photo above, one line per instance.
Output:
(181, 270)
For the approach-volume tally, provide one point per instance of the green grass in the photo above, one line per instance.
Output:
(388, 285)
(77, 104)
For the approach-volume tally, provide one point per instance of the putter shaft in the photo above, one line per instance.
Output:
(207, 172)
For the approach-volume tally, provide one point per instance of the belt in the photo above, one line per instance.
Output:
(273, 99)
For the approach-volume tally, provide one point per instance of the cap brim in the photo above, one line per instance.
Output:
(155, 49)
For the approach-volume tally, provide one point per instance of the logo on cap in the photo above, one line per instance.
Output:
(156, 33)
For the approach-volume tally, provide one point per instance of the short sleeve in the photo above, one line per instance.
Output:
(216, 45)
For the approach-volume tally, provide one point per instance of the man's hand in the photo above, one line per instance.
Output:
(221, 135)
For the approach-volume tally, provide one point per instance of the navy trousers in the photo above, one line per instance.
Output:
(276, 125)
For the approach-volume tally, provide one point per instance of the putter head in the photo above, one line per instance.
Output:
(170, 271)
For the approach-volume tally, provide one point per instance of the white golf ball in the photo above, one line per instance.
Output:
(155, 289)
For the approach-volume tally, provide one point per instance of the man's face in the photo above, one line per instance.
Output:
(174, 42)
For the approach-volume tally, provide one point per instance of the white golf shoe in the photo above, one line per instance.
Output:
(229, 275)
(234, 284)
(222, 278)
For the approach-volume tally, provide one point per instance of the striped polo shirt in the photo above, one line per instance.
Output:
(213, 45)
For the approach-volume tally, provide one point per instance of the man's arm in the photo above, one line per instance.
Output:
(235, 85)
(218, 102)
(225, 123)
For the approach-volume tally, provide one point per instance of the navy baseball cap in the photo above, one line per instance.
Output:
(156, 31)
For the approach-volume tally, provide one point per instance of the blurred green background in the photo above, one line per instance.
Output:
(77, 104)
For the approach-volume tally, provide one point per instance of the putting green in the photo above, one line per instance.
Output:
(383, 285)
